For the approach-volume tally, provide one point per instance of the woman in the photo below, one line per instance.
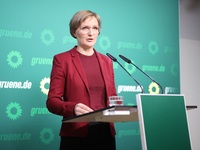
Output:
(82, 79)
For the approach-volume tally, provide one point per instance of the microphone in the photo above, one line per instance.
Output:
(130, 62)
(115, 60)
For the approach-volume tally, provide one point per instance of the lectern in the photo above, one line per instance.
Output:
(108, 114)
(162, 119)
(163, 122)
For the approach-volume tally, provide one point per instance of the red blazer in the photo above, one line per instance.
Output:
(69, 86)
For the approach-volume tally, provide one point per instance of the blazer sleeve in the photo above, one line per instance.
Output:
(55, 102)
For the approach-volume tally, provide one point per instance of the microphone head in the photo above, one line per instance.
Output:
(111, 57)
(125, 59)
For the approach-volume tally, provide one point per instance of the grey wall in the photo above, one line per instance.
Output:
(190, 63)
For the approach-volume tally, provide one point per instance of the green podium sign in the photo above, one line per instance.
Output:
(163, 122)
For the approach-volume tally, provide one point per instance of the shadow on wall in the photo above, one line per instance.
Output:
(190, 5)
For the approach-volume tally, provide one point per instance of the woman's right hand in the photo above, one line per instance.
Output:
(81, 108)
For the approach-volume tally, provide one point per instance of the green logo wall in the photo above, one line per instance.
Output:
(32, 32)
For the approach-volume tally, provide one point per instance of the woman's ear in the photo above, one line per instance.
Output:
(74, 34)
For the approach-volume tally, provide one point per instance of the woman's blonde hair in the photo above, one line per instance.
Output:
(80, 17)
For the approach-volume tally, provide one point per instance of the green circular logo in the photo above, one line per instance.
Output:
(46, 135)
(47, 37)
(13, 111)
(130, 68)
(153, 47)
(104, 43)
(174, 69)
(43, 82)
(154, 88)
(11, 59)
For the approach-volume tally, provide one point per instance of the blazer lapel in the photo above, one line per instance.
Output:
(78, 66)
(103, 70)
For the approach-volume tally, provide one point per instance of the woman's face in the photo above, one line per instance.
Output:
(87, 33)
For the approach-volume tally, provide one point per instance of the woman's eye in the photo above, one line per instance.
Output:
(84, 28)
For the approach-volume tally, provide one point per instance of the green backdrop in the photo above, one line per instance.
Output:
(32, 32)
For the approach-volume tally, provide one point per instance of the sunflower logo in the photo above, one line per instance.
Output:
(46, 135)
(43, 82)
(13, 111)
(14, 59)
(154, 88)
(47, 37)
(130, 68)
(174, 69)
(115, 65)
(153, 47)
(104, 43)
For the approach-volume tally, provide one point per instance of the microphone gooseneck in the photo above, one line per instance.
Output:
(111, 57)
(115, 60)
(125, 59)
(130, 62)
